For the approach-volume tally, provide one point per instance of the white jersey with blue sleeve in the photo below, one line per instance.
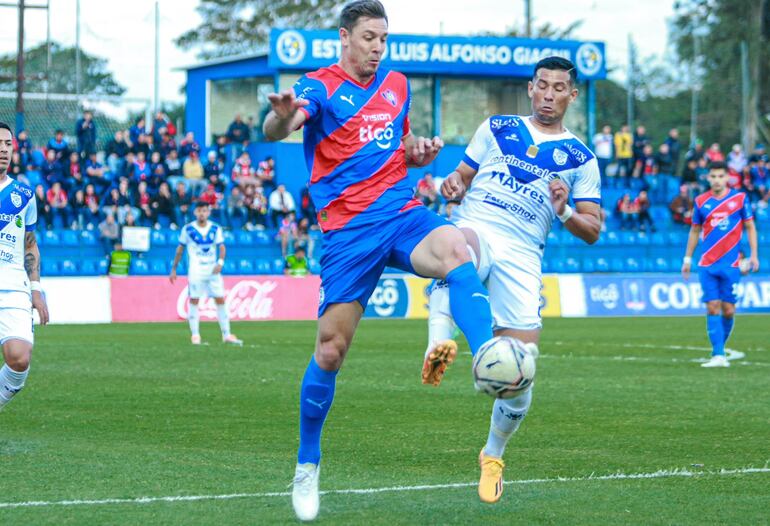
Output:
(18, 215)
(509, 199)
(202, 248)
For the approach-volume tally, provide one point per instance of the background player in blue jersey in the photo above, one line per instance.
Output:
(718, 219)
(358, 144)
(20, 290)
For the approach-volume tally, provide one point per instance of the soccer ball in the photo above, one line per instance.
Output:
(504, 367)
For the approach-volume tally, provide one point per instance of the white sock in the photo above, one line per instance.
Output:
(194, 320)
(224, 320)
(441, 326)
(11, 383)
(506, 419)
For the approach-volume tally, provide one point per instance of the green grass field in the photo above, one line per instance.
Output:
(130, 411)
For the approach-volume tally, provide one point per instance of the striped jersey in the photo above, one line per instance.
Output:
(509, 197)
(722, 221)
(18, 215)
(202, 248)
(353, 148)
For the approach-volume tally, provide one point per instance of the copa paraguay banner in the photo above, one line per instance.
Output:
(664, 295)
(483, 56)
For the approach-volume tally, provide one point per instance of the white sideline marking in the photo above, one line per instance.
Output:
(663, 473)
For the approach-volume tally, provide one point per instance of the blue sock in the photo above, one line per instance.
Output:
(316, 397)
(716, 334)
(469, 303)
(727, 327)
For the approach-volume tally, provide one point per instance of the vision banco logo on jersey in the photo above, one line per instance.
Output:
(589, 59)
(290, 47)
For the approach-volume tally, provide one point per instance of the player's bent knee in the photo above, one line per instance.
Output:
(19, 362)
(714, 307)
(728, 310)
(331, 352)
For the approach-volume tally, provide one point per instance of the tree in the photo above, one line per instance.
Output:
(720, 26)
(232, 27)
(546, 30)
(94, 77)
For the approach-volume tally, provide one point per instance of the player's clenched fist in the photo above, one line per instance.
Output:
(559, 195)
(423, 151)
(453, 186)
(285, 104)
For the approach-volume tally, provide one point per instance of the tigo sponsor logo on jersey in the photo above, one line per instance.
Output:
(720, 221)
(381, 135)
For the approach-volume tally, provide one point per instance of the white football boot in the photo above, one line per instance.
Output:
(304, 495)
(716, 361)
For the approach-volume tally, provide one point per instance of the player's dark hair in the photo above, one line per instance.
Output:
(361, 9)
(57, 132)
(4, 126)
(201, 204)
(559, 64)
(717, 165)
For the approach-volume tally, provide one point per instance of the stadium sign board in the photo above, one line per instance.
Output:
(451, 55)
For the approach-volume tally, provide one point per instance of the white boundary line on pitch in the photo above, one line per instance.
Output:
(663, 473)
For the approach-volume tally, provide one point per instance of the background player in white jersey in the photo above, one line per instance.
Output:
(20, 290)
(205, 246)
(517, 175)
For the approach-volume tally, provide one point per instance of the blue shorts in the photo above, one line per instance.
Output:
(719, 283)
(353, 259)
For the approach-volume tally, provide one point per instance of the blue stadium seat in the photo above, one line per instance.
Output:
(231, 267)
(632, 265)
(262, 238)
(617, 265)
(50, 267)
(245, 238)
(229, 238)
(88, 268)
(552, 239)
(567, 238)
(102, 266)
(69, 238)
(246, 267)
(572, 265)
(642, 238)
(158, 267)
(278, 265)
(612, 238)
(140, 267)
(588, 265)
(263, 267)
(657, 239)
(546, 266)
(627, 238)
(88, 238)
(68, 268)
(557, 266)
(602, 265)
(157, 238)
(676, 238)
(51, 238)
(661, 265)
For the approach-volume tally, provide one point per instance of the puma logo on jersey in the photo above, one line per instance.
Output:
(348, 99)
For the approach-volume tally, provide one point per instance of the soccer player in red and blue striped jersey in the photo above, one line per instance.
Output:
(358, 144)
(718, 219)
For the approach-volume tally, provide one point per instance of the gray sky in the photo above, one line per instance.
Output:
(123, 32)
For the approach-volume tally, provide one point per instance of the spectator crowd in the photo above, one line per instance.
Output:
(149, 176)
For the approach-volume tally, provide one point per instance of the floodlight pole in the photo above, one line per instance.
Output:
(20, 72)
(528, 17)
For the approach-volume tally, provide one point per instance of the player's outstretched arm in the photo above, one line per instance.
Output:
(751, 231)
(692, 242)
(584, 221)
(177, 259)
(285, 116)
(421, 151)
(32, 266)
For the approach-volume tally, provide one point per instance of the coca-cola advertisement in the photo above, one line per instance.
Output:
(144, 299)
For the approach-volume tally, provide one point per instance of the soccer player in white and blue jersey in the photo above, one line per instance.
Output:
(20, 290)
(205, 245)
(517, 176)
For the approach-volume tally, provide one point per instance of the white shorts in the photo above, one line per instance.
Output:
(16, 317)
(212, 286)
(514, 281)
